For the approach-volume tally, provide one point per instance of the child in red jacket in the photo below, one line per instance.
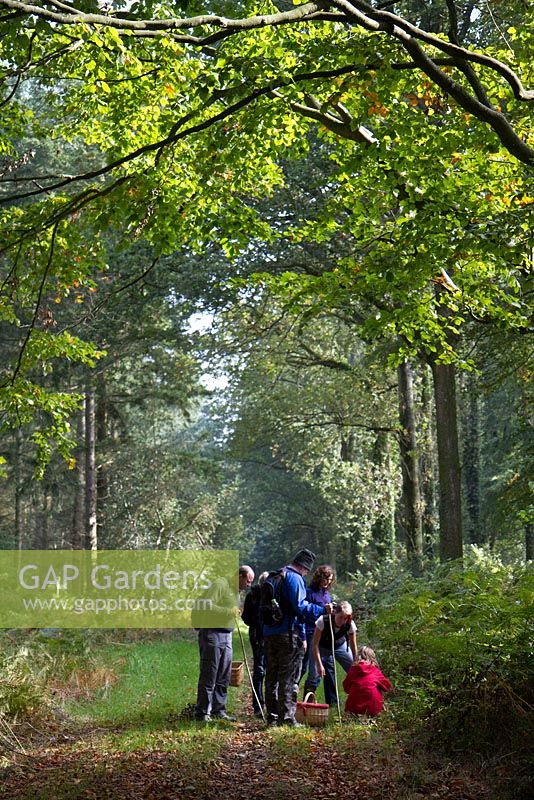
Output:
(365, 684)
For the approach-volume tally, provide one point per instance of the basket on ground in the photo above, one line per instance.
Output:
(312, 713)
(236, 677)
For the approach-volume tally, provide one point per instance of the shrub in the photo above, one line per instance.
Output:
(31, 666)
(458, 646)
(21, 684)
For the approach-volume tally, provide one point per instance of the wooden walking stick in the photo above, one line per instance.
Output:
(335, 670)
(248, 669)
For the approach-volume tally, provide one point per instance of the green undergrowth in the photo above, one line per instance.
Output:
(458, 647)
(153, 680)
(32, 663)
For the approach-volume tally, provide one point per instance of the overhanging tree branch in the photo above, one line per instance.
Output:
(357, 12)
(387, 22)
(176, 134)
(421, 45)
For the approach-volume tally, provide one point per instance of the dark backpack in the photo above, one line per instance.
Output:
(251, 608)
(273, 603)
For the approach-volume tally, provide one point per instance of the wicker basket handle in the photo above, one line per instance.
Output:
(309, 697)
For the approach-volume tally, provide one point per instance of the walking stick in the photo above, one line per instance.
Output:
(248, 670)
(335, 670)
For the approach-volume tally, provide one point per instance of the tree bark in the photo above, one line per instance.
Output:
(383, 530)
(428, 467)
(529, 542)
(450, 503)
(346, 451)
(471, 462)
(101, 434)
(19, 531)
(42, 531)
(78, 515)
(411, 499)
(91, 538)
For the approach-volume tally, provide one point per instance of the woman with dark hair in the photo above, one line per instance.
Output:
(318, 593)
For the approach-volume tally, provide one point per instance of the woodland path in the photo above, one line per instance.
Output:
(252, 763)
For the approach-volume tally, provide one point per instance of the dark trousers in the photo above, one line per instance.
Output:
(215, 671)
(258, 673)
(283, 663)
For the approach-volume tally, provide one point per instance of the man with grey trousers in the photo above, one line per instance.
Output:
(215, 645)
(285, 643)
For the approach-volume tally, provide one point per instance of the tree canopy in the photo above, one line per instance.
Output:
(363, 162)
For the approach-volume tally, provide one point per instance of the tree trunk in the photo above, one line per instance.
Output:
(19, 532)
(428, 467)
(90, 471)
(346, 452)
(383, 530)
(101, 434)
(529, 542)
(42, 532)
(450, 503)
(78, 515)
(471, 462)
(411, 499)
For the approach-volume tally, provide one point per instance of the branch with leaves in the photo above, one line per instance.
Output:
(425, 49)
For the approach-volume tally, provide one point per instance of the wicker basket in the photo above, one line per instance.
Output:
(311, 713)
(237, 675)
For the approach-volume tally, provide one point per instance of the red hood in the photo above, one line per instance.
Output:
(363, 667)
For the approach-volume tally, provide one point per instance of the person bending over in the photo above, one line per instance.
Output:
(365, 685)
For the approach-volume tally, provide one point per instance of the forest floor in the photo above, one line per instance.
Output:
(130, 740)
(235, 760)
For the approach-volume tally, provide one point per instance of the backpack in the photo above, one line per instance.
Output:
(251, 608)
(273, 603)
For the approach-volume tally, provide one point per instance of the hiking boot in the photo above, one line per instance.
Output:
(292, 723)
(202, 718)
(224, 715)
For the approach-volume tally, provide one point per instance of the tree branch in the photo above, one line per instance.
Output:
(74, 17)
(176, 134)
(373, 20)
(316, 359)
(358, 12)
(36, 309)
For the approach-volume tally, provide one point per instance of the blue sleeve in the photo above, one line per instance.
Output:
(296, 594)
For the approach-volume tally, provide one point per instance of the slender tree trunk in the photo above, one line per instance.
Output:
(450, 503)
(392, 500)
(101, 434)
(529, 542)
(346, 452)
(348, 557)
(42, 532)
(428, 467)
(19, 532)
(411, 499)
(90, 471)
(383, 531)
(471, 461)
(78, 515)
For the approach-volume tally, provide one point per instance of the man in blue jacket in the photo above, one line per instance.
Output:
(285, 643)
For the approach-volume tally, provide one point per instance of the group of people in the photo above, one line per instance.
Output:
(300, 641)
